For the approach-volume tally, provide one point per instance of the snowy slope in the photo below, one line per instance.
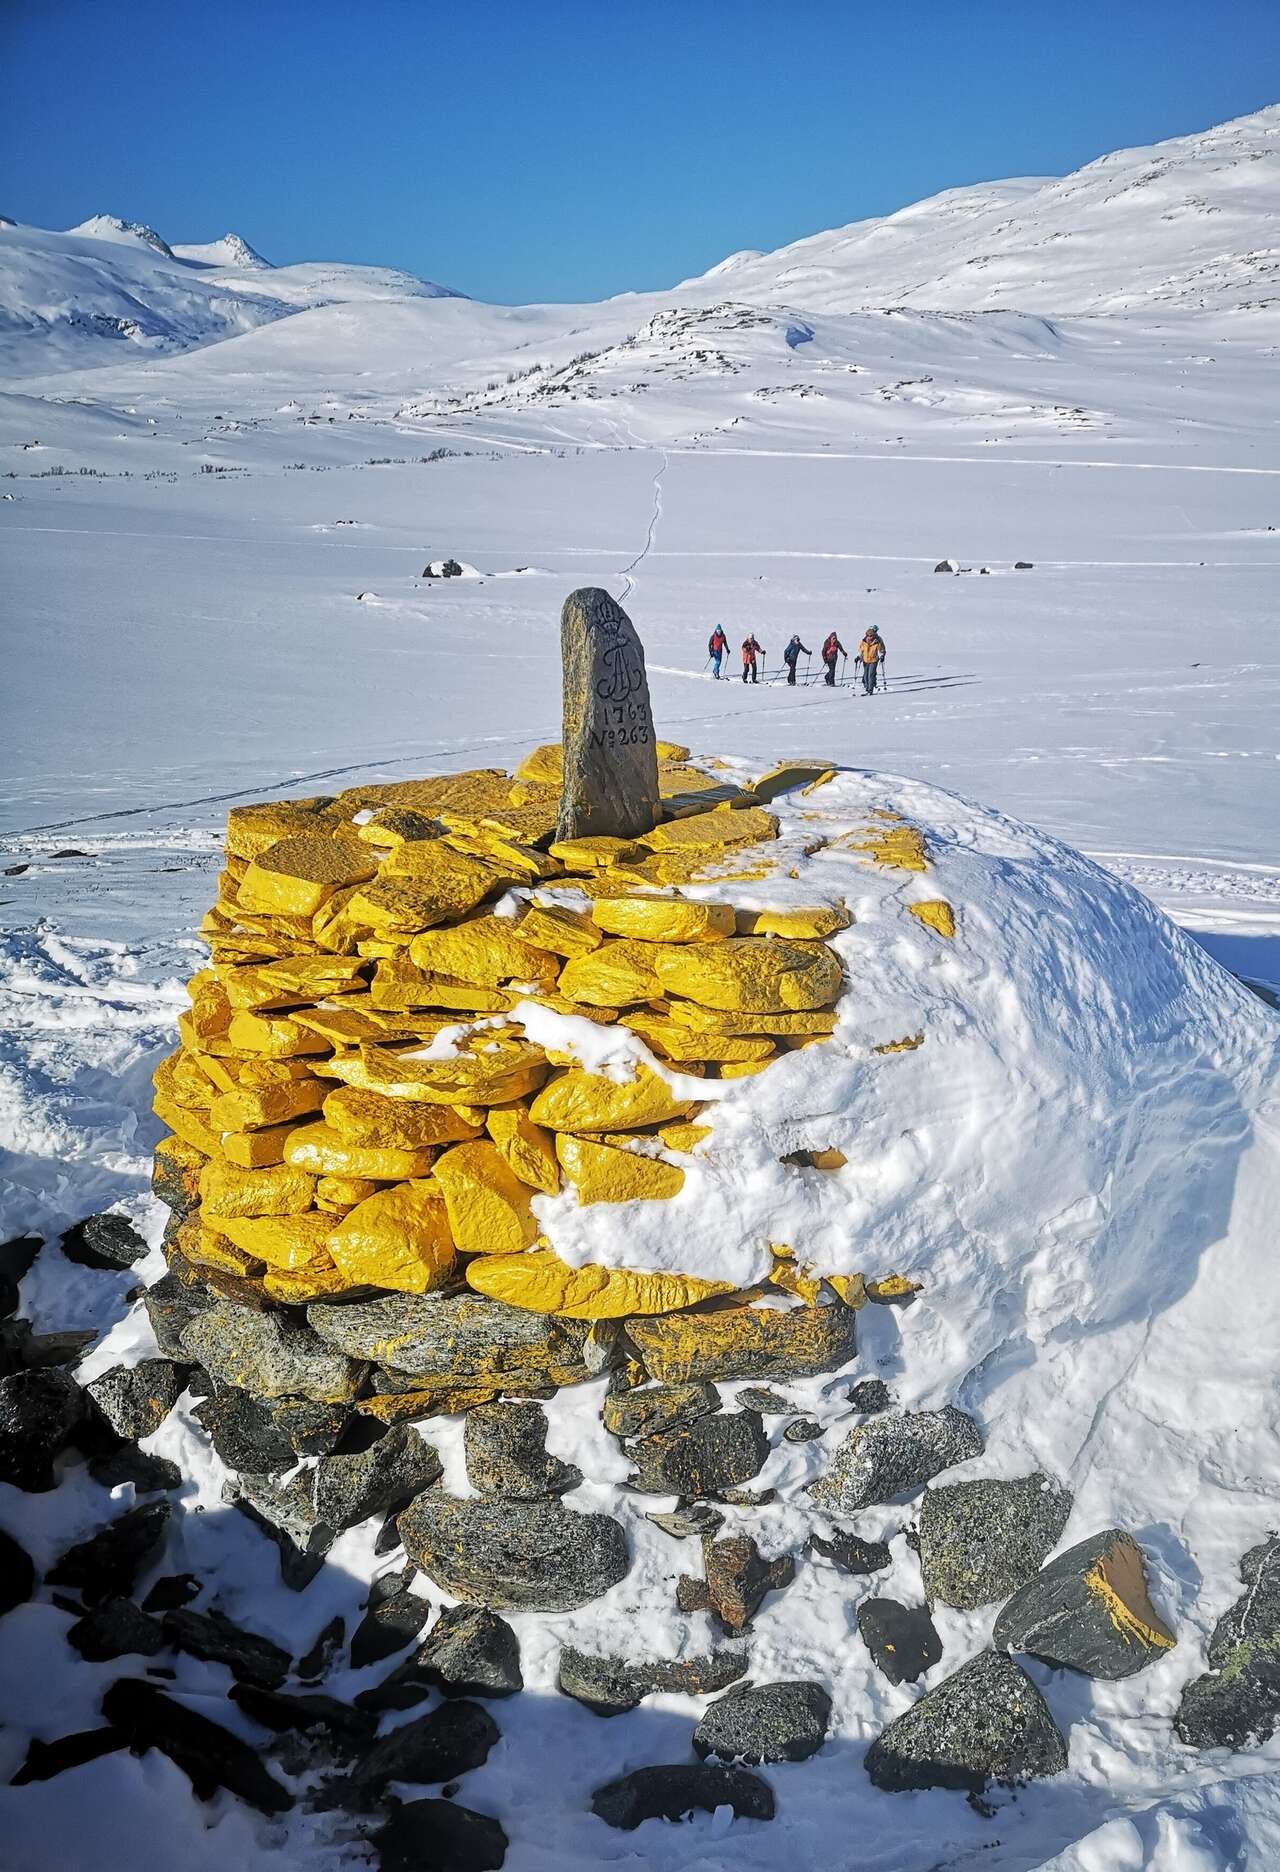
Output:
(1188, 223)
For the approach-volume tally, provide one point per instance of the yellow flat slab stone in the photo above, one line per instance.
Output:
(492, 1078)
(576, 1100)
(400, 984)
(617, 974)
(595, 854)
(542, 1283)
(253, 1150)
(937, 913)
(671, 1041)
(399, 1238)
(392, 825)
(562, 932)
(486, 950)
(709, 829)
(750, 974)
(790, 777)
(254, 829)
(281, 1241)
(185, 1125)
(817, 1023)
(292, 1287)
(203, 1249)
(343, 1192)
(528, 1151)
(599, 1173)
(280, 1190)
(663, 919)
(488, 1207)
(273, 1034)
(370, 1118)
(322, 1151)
(684, 1137)
(816, 921)
(294, 876)
(250, 1106)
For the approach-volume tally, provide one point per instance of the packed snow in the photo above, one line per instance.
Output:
(206, 460)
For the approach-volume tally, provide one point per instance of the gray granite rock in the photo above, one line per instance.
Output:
(469, 1651)
(979, 1541)
(136, 1399)
(505, 1446)
(987, 1722)
(394, 1616)
(684, 1523)
(1088, 1610)
(610, 1686)
(1238, 1701)
(894, 1454)
(456, 1336)
(652, 1409)
(348, 1489)
(774, 1722)
(527, 1556)
(748, 1342)
(268, 1356)
(209, 1755)
(107, 1241)
(39, 1413)
(701, 1458)
(610, 785)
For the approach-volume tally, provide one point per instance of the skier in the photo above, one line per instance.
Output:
(831, 649)
(791, 656)
(750, 651)
(717, 644)
(871, 654)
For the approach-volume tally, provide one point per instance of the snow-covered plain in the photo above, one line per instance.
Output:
(214, 526)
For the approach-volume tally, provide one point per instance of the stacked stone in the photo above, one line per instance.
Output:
(323, 1149)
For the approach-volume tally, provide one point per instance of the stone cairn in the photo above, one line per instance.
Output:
(352, 1247)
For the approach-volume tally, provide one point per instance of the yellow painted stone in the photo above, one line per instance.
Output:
(789, 777)
(210, 1014)
(399, 984)
(486, 950)
(392, 825)
(528, 1151)
(897, 847)
(492, 845)
(294, 876)
(814, 921)
(332, 930)
(710, 829)
(851, 1288)
(544, 766)
(322, 1151)
(185, 1081)
(592, 854)
(294, 1287)
(203, 1249)
(249, 1107)
(185, 1125)
(273, 1034)
(254, 829)
(542, 1283)
(488, 1207)
(750, 974)
(349, 1026)
(562, 932)
(907, 1044)
(398, 1238)
(794, 1280)
(576, 1100)
(684, 1137)
(828, 1159)
(617, 974)
(600, 1173)
(561, 1004)
(818, 1022)
(706, 865)
(741, 1069)
(663, 919)
(253, 1150)
(892, 1287)
(270, 1072)
(297, 1242)
(937, 913)
(458, 881)
(370, 1118)
(496, 1076)
(340, 1193)
(280, 1190)
(671, 1041)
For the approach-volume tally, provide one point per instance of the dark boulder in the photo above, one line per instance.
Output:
(174, 1589)
(505, 1445)
(802, 1430)
(979, 1541)
(1238, 1701)
(127, 1463)
(209, 1755)
(735, 1581)
(850, 1552)
(670, 1792)
(1088, 1611)
(16, 1258)
(684, 1523)
(442, 1835)
(705, 1457)
(902, 1640)
(44, 1760)
(986, 1722)
(649, 1410)
(107, 1565)
(610, 1686)
(136, 1399)
(269, 1356)
(870, 1395)
(350, 1488)
(526, 1556)
(446, 1742)
(320, 1659)
(104, 1241)
(115, 1629)
(210, 1635)
(171, 1306)
(470, 1651)
(17, 1574)
(245, 1433)
(344, 1727)
(39, 1413)
(395, 1615)
(894, 1454)
(765, 1723)
(766, 1400)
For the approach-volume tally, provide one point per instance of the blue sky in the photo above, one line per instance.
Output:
(571, 150)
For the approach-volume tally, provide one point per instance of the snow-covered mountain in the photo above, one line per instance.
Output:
(69, 299)
(1190, 223)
